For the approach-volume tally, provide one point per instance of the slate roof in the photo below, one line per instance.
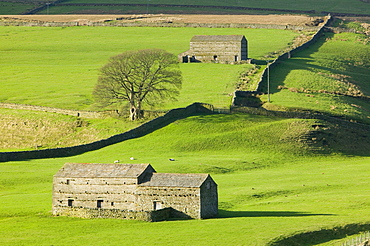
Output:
(94, 170)
(192, 180)
(217, 38)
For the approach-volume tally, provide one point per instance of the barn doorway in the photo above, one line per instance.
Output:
(70, 202)
(185, 59)
(99, 203)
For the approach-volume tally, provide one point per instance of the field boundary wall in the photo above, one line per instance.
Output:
(77, 113)
(137, 132)
(161, 24)
(282, 57)
(159, 122)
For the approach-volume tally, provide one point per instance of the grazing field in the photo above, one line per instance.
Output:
(277, 177)
(331, 76)
(26, 130)
(189, 6)
(270, 186)
(8, 8)
(58, 67)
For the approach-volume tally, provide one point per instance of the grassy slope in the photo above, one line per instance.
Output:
(24, 130)
(338, 63)
(14, 8)
(58, 67)
(268, 186)
(345, 6)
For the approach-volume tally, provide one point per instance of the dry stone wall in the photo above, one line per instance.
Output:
(286, 55)
(140, 131)
(90, 213)
(77, 113)
(163, 24)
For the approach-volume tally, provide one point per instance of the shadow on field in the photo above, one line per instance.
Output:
(235, 214)
(278, 76)
(321, 236)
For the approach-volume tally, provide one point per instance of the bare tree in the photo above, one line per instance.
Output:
(143, 77)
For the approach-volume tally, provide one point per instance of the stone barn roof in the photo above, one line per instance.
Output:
(94, 170)
(217, 38)
(193, 180)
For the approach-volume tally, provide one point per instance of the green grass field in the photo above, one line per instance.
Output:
(339, 64)
(272, 184)
(12, 8)
(269, 186)
(341, 6)
(26, 130)
(58, 67)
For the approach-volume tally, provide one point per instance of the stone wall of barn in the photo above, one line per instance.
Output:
(208, 199)
(103, 197)
(90, 213)
(107, 193)
(218, 51)
(112, 194)
(185, 202)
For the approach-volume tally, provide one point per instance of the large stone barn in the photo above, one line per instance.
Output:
(216, 48)
(132, 191)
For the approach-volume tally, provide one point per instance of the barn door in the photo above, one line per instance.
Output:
(99, 203)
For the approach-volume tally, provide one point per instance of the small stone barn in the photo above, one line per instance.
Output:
(132, 191)
(216, 48)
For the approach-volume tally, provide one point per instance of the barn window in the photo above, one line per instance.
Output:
(157, 205)
(67, 182)
(99, 203)
(70, 202)
(112, 203)
(236, 58)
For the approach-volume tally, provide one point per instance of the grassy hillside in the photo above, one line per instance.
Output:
(58, 67)
(13, 8)
(270, 185)
(332, 76)
(277, 177)
(24, 130)
(144, 6)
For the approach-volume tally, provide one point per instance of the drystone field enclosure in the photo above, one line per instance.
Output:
(162, 18)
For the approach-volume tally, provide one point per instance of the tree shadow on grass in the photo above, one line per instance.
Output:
(236, 214)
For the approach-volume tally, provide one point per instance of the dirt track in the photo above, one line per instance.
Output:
(247, 19)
